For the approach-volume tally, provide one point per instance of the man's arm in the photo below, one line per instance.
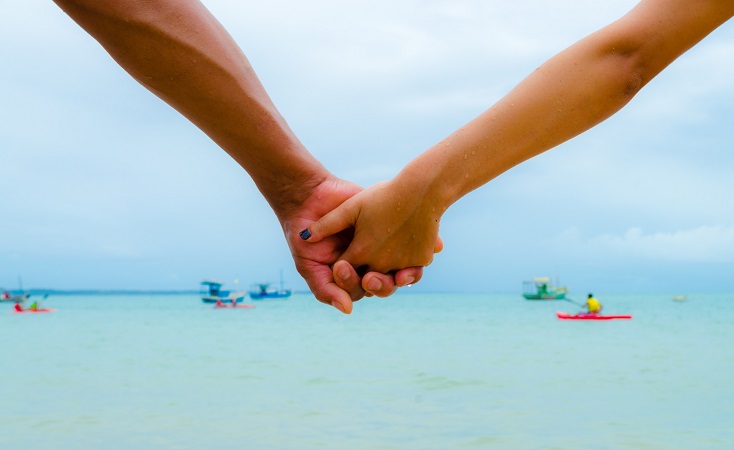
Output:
(397, 222)
(181, 53)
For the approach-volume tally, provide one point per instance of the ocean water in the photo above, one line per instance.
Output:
(414, 371)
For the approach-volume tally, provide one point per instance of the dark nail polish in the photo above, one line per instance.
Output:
(305, 234)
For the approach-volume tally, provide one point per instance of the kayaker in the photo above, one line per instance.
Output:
(219, 303)
(18, 307)
(34, 306)
(234, 302)
(592, 305)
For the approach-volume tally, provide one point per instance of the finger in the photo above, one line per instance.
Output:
(439, 245)
(321, 282)
(335, 296)
(379, 284)
(333, 222)
(348, 279)
(408, 276)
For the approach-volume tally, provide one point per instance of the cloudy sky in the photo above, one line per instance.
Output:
(105, 186)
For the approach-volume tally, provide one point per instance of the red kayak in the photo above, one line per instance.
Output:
(34, 311)
(588, 316)
(225, 306)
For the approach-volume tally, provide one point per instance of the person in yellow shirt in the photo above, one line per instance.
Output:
(592, 305)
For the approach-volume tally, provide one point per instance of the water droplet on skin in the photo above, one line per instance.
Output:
(473, 152)
(389, 229)
(465, 156)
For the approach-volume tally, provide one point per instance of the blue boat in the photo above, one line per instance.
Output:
(212, 292)
(260, 291)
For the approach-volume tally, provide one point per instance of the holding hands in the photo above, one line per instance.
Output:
(394, 223)
(182, 54)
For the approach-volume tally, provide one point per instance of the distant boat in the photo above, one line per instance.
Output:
(8, 296)
(212, 292)
(259, 291)
(680, 298)
(542, 289)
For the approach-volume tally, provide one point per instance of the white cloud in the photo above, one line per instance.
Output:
(704, 244)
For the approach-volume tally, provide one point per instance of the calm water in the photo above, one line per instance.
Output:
(409, 372)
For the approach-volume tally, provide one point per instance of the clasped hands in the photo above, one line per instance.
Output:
(348, 243)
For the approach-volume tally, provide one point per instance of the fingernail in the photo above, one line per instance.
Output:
(343, 272)
(338, 306)
(374, 285)
(409, 280)
(305, 234)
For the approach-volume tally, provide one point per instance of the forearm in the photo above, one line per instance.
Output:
(570, 93)
(181, 53)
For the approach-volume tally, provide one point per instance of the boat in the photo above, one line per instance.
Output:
(542, 289)
(589, 316)
(9, 297)
(260, 291)
(680, 298)
(212, 292)
(20, 297)
(263, 290)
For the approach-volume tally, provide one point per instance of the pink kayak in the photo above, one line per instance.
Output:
(34, 311)
(226, 306)
(587, 316)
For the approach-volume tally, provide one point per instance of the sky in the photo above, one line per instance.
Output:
(104, 186)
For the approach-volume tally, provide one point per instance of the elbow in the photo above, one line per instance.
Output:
(634, 53)
(633, 81)
(631, 64)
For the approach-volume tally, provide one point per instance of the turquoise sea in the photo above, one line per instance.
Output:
(414, 371)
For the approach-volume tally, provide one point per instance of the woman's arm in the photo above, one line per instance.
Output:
(397, 222)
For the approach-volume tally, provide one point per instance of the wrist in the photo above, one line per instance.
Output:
(423, 182)
(426, 178)
(287, 191)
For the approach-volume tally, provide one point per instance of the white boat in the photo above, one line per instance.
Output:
(20, 296)
(212, 293)
(7, 296)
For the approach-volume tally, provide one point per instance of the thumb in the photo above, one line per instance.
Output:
(340, 218)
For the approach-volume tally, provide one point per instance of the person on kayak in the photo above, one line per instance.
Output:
(18, 307)
(592, 305)
(34, 306)
(219, 303)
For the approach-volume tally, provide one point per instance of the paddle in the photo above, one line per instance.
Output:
(582, 306)
(575, 303)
